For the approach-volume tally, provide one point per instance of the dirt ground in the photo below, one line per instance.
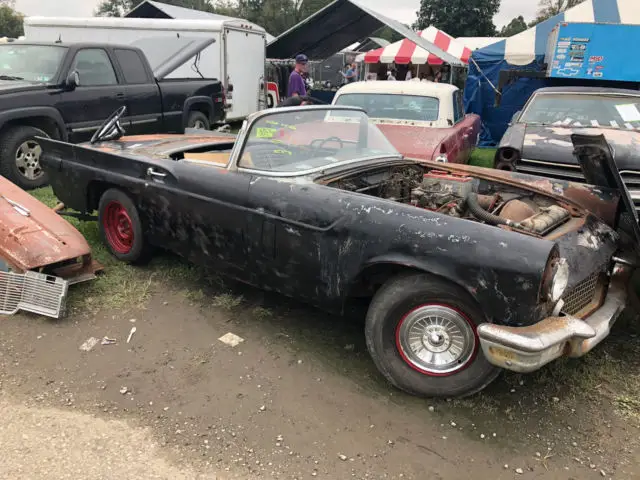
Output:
(298, 398)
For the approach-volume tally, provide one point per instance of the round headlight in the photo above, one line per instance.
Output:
(560, 280)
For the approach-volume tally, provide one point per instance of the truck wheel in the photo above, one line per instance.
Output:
(121, 229)
(198, 120)
(20, 157)
(421, 333)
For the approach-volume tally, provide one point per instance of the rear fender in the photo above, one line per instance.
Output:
(199, 103)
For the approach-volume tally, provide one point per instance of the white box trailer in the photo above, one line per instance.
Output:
(236, 58)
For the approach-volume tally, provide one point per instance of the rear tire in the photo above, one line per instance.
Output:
(121, 229)
(20, 157)
(421, 334)
(198, 120)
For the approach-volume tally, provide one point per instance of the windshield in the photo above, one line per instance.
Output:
(308, 139)
(396, 107)
(35, 63)
(584, 110)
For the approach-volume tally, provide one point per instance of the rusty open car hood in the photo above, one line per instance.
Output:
(32, 235)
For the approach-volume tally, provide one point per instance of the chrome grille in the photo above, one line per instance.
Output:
(560, 171)
(573, 173)
(32, 292)
(631, 180)
(581, 295)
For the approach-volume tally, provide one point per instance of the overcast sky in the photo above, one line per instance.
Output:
(403, 10)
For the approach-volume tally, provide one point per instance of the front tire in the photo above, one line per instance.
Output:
(421, 334)
(121, 229)
(199, 121)
(20, 157)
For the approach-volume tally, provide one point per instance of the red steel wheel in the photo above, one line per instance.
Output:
(118, 227)
(122, 229)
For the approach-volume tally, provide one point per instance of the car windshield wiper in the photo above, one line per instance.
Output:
(10, 77)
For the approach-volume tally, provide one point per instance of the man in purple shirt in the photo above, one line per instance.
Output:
(296, 82)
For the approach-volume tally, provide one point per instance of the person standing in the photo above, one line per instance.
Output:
(409, 75)
(296, 82)
(391, 75)
(351, 73)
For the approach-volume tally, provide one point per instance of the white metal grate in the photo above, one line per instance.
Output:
(32, 292)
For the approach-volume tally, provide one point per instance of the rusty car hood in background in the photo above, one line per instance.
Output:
(32, 235)
(553, 143)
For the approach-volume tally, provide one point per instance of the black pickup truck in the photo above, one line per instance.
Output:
(64, 91)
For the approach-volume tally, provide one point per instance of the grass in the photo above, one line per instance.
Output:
(483, 157)
(121, 285)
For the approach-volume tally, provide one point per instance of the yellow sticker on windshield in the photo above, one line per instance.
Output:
(265, 132)
(283, 125)
(283, 152)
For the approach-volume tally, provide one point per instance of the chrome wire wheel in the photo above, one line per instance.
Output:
(28, 160)
(436, 340)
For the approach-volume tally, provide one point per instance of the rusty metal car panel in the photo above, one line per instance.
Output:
(41, 254)
(467, 269)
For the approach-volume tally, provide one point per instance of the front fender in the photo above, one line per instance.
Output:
(433, 266)
(30, 112)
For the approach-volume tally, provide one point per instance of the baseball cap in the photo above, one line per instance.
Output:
(302, 58)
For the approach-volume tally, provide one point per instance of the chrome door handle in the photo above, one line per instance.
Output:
(152, 173)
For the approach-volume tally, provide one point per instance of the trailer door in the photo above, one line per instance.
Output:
(245, 64)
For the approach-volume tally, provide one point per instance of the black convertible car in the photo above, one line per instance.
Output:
(469, 270)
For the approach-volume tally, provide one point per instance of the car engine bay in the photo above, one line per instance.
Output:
(462, 197)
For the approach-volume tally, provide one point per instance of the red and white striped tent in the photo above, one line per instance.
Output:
(405, 51)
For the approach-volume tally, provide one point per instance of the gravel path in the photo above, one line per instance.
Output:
(46, 443)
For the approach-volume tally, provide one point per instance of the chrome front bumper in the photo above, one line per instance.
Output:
(526, 349)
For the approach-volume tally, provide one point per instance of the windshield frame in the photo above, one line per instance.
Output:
(55, 77)
(243, 137)
(535, 96)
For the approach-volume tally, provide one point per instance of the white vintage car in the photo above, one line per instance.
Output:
(423, 120)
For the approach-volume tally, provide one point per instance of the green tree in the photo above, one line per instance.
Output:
(118, 8)
(459, 18)
(389, 34)
(514, 27)
(275, 16)
(551, 8)
(10, 21)
(278, 16)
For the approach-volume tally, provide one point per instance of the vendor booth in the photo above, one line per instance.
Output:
(405, 55)
(496, 102)
(337, 26)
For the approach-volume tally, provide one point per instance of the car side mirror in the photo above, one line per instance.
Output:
(515, 117)
(73, 80)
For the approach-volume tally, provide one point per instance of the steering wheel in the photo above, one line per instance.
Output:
(109, 124)
(330, 139)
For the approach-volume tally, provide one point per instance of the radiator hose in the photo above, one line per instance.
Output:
(481, 214)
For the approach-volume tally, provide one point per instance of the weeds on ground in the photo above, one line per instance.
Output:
(226, 301)
(261, 313)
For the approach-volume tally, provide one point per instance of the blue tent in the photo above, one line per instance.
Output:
(526, 51)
